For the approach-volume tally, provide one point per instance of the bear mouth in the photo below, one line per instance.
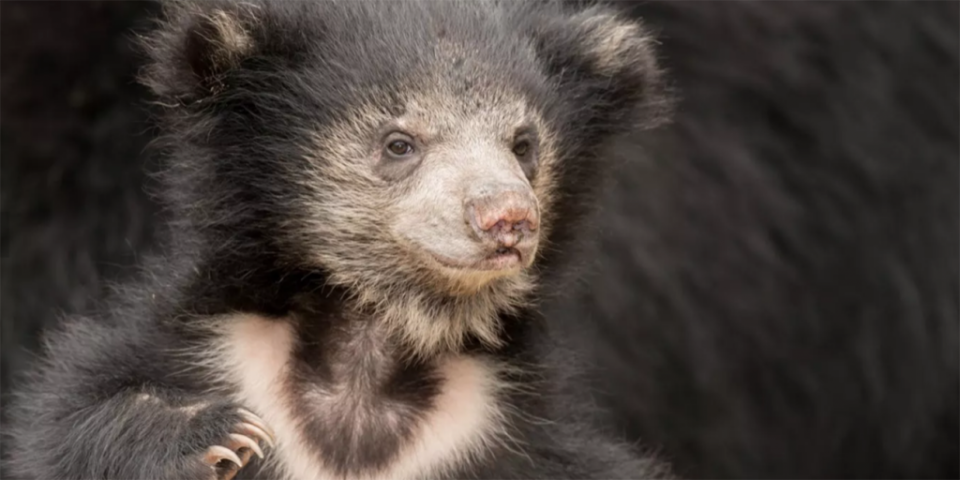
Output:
(501, 259)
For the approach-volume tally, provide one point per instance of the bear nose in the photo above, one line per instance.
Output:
(506, 218)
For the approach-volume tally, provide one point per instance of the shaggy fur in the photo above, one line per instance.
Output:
(291, 287)
(729, 382)
(778, 297)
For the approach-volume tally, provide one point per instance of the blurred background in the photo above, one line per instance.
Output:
(774, 294)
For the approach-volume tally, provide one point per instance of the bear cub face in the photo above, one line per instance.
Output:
(417, 153)
(448, 183)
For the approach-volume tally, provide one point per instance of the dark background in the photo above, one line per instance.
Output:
(774, 295)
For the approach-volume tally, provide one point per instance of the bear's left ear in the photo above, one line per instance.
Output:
(198, 44)
(606, 63)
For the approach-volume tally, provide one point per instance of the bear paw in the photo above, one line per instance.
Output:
(236, 450)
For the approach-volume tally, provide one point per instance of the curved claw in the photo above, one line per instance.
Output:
(216, 453)
(253, 419)
(238, 441)
(251, 430)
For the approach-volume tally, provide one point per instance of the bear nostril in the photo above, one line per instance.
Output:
(505, 218)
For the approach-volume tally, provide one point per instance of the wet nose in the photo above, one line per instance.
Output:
(506, 217)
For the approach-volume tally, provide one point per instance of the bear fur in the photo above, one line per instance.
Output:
(777, 297)
(727, 382)
(295, 304)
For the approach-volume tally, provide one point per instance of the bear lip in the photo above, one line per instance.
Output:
(501, 259)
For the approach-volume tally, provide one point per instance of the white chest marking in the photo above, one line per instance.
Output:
(256, 354)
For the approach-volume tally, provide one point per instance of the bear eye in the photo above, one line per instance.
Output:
(521, 148)
(525, 149)
(399, 148)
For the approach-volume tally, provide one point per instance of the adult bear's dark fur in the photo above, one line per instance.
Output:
(75, 211)
(778, 297)
(792, 384)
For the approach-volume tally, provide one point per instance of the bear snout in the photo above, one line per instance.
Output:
(508, 219)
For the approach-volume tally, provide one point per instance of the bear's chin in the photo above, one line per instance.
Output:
(473, 275)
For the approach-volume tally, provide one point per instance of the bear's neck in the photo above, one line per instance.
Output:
(419, 320)
(348, 350)
(382, 337)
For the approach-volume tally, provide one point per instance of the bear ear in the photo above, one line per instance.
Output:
(196, 45)
(600, 57)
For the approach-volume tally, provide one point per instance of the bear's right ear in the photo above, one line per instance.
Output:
(196, 45)
(606, 61)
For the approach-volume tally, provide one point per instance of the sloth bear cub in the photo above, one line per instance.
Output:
(370, 198)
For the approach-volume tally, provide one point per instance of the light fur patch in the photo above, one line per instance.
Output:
(255, 354)
(234, 40)
(190, 409)
(229, 37)
(615, 44)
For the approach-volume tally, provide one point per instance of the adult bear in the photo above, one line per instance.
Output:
(777, 295)
(75, 209)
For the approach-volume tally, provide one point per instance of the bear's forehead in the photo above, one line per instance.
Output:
(437, 64)
(447, 95)
(438, 115)
(446, 114)
(465, 42)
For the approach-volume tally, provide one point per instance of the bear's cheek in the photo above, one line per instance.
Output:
(429, 217)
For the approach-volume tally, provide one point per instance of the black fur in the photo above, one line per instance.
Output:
(777, 296)
(75, 211)
(241, 96)
(681, 366)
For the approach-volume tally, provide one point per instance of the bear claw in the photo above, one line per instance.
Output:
(240, 445)
(254, 420)
(216, 454)
(252, 430)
